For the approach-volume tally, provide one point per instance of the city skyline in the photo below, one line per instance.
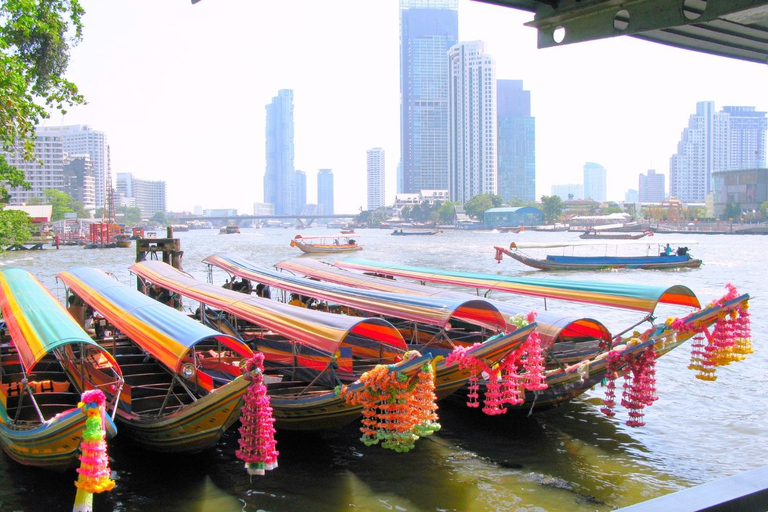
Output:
(185, 109)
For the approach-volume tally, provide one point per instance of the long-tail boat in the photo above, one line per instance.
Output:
(652, 261)
(40, 421)
(307, 353)
(567, 381)
(325, 244)
(183, 382)
(281, 318)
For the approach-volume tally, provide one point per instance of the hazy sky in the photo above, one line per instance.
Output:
(181, 89)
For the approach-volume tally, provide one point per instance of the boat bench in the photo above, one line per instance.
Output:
(50, 404)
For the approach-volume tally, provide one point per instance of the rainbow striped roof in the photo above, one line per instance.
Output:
(426, 310)
(322, 331)
(621, 295)
(165, 333)
(550, 325)
(36, 321)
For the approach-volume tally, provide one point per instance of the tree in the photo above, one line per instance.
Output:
(35, 39)
(62, 203)
(159, 218)
(764, 208)
(131, 215)
(478, 205)
(733, 211)
(446, 212)
(15, 227)
(552, 207)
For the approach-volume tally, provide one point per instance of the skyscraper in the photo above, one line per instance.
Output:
(700, 151)
(428, 28)
(651, 187)
(279, 178)
(81, 139)
(45, 172)
(594, 182)
(746, 138)
(517, 142)
(78, 180)
(375, 167)
(472, 121)
(300, 194)
(148, 196)
(325, 192)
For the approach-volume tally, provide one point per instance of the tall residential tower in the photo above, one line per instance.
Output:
(279, 178)
(325, 192)
(472, 122)
(428, 28)
(594, 182)
(376, 189)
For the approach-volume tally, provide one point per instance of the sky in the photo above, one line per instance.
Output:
(180, 91)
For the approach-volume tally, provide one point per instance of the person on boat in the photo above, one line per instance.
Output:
(263, 291)
(682, 251)
(296, 301)
(667, 250)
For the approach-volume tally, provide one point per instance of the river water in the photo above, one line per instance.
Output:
(571, 458)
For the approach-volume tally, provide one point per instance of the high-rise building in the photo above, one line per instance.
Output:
(42, 173)
(568, 192)
(78, 180)
(375, 168)
(300, 194)
(631, 196)
(82, 139)
(651, 187)
(325, 192)
(517, 142)
(472, 121)
(702, 149)
(279, 178)
(594, 182)
(428, 28)
(746, 137)
(147, 196)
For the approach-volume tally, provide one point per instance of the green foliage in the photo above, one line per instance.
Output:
(15, 228)
(371, 217)
(445, 212)
(160, 218)
(62, 203)
(552, 207)
(764, 208)
(478, 205)
(35, 39)
(733, 211)
(131, 215)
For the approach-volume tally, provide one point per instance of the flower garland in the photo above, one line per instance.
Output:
(639, 388)
(505, 384)
(94, 469)
(257, 432)
(729, 341)
(396, 412)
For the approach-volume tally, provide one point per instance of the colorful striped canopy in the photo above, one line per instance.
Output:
(432, 310)
(165, 333)
(551, 327)
(315, 329)
(621, 295)
(36, 321)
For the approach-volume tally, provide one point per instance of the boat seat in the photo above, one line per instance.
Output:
(139, 368)
(149, 379)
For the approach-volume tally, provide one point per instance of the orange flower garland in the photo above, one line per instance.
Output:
(396, 412)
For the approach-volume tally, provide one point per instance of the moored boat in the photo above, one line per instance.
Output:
(650, 261)
(325, 244)
(415, 232)
(307, 353)
(183, 382)
(613, 235)
(41, 423)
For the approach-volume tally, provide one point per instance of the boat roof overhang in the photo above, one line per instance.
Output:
(620, 295)
(315, 329)
(165, 333)
(736, 29)
(438, 311)
(38, 323)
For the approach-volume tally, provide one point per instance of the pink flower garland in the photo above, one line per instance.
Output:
(639, 384)
(257, 432)
(94, 469)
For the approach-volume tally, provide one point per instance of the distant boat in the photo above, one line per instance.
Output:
(510, 229)
(325, 244)
(655, 260)
(347, 231)
(410, 232)
(613, 235)
(229, 229)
